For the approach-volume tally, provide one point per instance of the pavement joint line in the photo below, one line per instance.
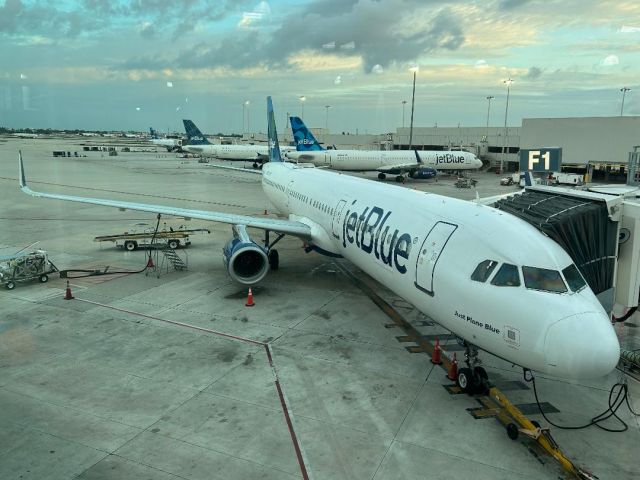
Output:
(511, 413)
(404, 418)
(132, 461)
(280, 390)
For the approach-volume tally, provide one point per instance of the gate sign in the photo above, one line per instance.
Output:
(541, 160)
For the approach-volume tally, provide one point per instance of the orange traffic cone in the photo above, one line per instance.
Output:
(435, 358)
(68, 295)
(453, 369)
(249, 299)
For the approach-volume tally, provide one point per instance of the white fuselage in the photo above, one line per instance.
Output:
(168, 143)
(232, 152)
(367, 160)
(424, 247)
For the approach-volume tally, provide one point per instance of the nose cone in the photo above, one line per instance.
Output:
(582, 346)
(476, 162)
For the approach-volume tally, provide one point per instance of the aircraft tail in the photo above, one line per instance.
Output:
(194, 135)
(305, 141)
(153, 133)
(272, 134)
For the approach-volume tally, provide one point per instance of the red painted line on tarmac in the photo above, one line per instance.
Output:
(268, 350)
(173, 322)
(292, 432)
(283, 402)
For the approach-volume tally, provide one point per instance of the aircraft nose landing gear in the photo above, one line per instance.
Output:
(473, 378)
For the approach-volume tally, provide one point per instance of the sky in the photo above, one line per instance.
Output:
(116, 65)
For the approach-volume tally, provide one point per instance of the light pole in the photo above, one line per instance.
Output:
(489, 98)
(413, 101)
(326, 120)
(508, 83)
(404, 102)
(624, 91)
(302, 100)
(248, 103)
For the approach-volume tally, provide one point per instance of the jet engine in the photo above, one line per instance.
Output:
(423, 173)
(245, 260)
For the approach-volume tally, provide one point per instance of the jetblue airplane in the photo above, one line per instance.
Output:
(489, 277)
(396, 162)
(198, 144)
(171, 144)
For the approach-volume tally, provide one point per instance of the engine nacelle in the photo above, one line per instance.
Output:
(245, 260)
(423, 173)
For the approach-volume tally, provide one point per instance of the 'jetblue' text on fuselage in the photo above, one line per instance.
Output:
(449, 158)
(371, 234)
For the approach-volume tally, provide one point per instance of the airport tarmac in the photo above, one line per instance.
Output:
(103, 387)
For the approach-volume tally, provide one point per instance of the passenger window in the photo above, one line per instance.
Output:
(483, 270)
(574, 278)
(543, 279)
(507, 276)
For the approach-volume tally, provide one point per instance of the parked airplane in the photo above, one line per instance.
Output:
(415, 164)
(171, 144)
(197, 143)
(25, 135)
(487, 276)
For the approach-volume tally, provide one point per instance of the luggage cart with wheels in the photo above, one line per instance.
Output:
(25, 267)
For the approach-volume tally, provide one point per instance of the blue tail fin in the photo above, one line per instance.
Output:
(153, 133)
(272, 134)
(194, 135)
(528, 180)
(305, 141)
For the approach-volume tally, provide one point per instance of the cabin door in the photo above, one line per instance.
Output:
(338, 218)
(429, 254)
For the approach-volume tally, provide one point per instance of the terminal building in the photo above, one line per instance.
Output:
(600, 146)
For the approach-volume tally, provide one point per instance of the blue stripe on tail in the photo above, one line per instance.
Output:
(305, 141)
(194, 135)
(272, 134)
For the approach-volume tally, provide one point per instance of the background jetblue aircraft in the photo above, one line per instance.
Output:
(416, 164)
(481, 273)
(198, 144)
(171, 144)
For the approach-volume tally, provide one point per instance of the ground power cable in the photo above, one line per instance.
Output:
(618, 395)
(94, 273)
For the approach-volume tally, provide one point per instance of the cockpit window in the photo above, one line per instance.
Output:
(507, 276)
(483, 270)
(574, 278)
(543, 279)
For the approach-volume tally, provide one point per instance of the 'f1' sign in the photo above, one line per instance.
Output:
(541, 160)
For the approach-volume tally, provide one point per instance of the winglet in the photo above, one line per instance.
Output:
(418, 159)
(272, 134)
(23, 181)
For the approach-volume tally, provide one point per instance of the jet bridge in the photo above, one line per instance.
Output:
(599, 227)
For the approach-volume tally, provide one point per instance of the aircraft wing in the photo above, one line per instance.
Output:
(398, 166)
(237, 169)
(297, 229)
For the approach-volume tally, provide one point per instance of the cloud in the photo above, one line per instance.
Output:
(481, 64)
(629, 29)
(533, 73)
(396, 38)
(511, 4)
(377, 69)
(610, 61)
(42, 17)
